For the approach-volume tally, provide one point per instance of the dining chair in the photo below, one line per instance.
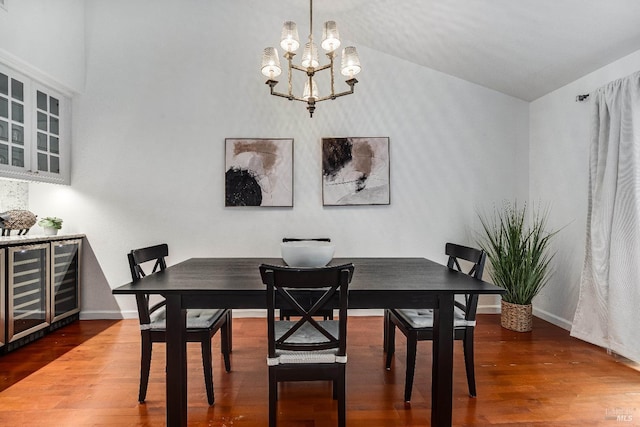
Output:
(201, 324)
(417, 325)
(308, 297)
(307, 349)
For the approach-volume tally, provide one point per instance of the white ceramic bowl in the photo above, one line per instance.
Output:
(307, 253)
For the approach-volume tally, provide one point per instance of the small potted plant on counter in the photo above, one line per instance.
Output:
(51, 225)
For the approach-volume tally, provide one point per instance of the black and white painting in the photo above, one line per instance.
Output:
(259, 172)
(355, 171)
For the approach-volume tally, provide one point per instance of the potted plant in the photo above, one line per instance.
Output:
(519, 253)
(51, 225)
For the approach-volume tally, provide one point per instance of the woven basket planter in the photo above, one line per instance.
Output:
(516, 317)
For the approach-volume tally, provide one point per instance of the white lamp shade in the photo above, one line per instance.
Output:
(350, 62)
(271, 63)
(310, 93)
(310, 55)
(330, 36)
(290, 41)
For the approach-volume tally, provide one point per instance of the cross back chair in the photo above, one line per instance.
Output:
(417, 325)
(201, 324)
(307, 298)
(307, 349)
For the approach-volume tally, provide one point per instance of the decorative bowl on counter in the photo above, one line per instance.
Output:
(307, 253)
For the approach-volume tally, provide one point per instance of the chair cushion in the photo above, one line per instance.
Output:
(320, 356)
(196, 319)
(307, 334)
(423, 318)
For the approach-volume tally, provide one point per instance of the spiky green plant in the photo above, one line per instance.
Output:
(518, 251)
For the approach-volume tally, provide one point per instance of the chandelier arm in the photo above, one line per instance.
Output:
(351, 82)
(306, 70)
(324, 67)
(284, 95)
(299, 68)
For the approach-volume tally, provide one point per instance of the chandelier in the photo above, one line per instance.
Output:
(309, 64)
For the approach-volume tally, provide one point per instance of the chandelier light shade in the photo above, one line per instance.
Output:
(290, 41)
(310, 64)
(310, 93)
(271, 63)
(350, 62)
(310, 56)
(330, 36)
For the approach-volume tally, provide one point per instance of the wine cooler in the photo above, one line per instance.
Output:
(65, 278)
(28, 290)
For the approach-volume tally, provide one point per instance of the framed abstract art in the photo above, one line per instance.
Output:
(259, 172)
(355, 171)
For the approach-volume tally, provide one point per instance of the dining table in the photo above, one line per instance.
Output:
(377, 283)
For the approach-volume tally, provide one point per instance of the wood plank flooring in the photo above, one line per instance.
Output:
(86, 374)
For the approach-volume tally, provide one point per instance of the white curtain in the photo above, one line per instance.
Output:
(608, 312)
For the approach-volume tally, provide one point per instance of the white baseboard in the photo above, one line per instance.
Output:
(544, 315)
(104, 314)
(488, 309)
(240, 313)
(552, 318)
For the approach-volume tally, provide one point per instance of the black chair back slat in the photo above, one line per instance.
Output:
(476, 256)
(332, 281)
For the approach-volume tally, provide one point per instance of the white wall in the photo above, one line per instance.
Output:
(559, 175)
(45, 39)
(166, 84)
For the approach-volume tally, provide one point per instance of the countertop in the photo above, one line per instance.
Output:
(35, 238)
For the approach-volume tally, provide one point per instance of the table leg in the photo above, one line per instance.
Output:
(176, 382)
(442, 372)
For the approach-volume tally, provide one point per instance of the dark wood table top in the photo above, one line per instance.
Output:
(377, 282)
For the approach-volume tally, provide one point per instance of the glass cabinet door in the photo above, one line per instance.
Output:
(48, 132)
(65, 278)
(13, 120)
(28, 290)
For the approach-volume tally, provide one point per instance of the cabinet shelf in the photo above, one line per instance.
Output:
(26, 283)
(31, 314)
(25, 294)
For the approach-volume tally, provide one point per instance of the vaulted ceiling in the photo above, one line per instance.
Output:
(523, 48)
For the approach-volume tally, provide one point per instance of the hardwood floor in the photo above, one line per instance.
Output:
(86, 374)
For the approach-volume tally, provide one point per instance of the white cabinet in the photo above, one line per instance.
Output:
(35, 130)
